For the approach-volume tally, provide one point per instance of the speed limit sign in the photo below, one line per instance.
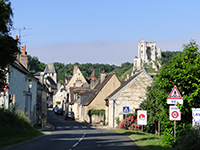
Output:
(174, 113)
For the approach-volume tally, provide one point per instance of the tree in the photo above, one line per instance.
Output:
(183, 71)
(35, 65)
(8, 46)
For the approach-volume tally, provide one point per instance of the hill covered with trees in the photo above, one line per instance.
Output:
(67, 69)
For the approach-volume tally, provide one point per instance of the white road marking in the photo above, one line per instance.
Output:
(79, 140)
(84, 126)
(59, 127)
(67, 127)
(75, 127)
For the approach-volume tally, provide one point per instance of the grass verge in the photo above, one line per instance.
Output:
(145, 141)
(15, 128)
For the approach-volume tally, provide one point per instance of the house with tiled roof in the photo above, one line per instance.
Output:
(106, 85)
(129, 95)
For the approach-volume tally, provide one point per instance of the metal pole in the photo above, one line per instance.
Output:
(113, 113)
(174, 131)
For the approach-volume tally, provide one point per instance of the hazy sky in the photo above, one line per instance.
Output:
(103, 31)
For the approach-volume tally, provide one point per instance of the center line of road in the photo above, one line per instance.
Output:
(79, 140)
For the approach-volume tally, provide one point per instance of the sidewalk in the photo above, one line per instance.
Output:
(48, 127)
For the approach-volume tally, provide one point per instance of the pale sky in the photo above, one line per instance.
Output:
(103, 31)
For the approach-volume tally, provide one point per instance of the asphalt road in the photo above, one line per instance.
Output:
(72, 135)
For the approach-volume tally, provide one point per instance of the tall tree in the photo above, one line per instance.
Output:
(8, 46)
(183, 71)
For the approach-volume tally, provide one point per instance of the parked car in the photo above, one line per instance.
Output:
(70, 115)
(58, 111)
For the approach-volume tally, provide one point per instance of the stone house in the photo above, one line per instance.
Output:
(129, 94)
(76, 80)
(95, 99)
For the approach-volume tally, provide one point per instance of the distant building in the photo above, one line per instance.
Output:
(147, 54)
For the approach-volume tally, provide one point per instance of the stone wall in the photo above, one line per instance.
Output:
(131, 96)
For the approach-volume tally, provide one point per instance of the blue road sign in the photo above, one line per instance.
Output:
(125, 109)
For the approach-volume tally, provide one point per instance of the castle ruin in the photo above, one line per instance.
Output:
(147, 55)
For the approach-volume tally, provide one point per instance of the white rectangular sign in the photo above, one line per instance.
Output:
(174, 113)
(174, 101)
(142, 117)
(195, 117)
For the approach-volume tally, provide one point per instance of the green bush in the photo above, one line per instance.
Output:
(117, 120)
(57, 102)
(188, 139)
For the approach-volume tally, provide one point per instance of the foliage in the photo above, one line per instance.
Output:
(129, 123)
(13, 125)
(117, 121)
(127, 115)
(145, 141)
(189, 139)
(8, 46)
(95, 112)
(57, 102)
(183, 71)
(35, 65)
(167, 56)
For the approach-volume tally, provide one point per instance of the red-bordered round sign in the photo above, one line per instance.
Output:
(174, 114)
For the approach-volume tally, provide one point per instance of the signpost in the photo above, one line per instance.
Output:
(37, 104)
(174, 97)
(195, 117)
(174, 112)
(142, 118)
(125, 109)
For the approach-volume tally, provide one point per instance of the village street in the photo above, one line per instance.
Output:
(71, 135)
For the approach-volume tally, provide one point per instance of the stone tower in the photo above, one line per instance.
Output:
(147, 53)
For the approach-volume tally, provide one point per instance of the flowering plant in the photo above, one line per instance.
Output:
(129, 123)
(101, 121)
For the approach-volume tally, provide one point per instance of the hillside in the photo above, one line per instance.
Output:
(12, 125)
(87, 68)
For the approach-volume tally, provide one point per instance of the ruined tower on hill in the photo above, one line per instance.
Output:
(147, 54)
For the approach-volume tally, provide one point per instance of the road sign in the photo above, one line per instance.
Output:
(174, 113)
(37, 104)
(125, 109)
(195, 116)
(142, 117)
(174, 97)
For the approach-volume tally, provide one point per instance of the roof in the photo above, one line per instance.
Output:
(22, 69)
(99, 87)
(50, 68)
(124, 84)
(82, 91)
(93, 75)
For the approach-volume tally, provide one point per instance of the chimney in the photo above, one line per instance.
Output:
(23, 57)
(75, 68)
(103, 75)
(16, 37)
(24, 50)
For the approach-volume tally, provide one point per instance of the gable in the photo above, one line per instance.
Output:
(77, 76)
(140, 80)
(97, 102)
